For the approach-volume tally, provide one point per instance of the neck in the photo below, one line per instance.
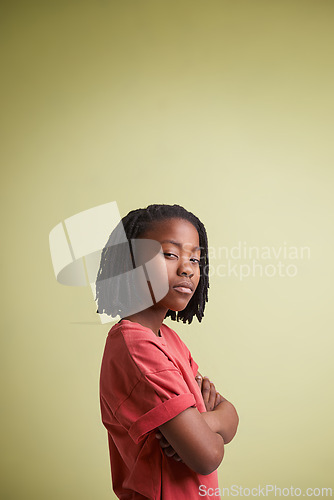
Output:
(150, 318)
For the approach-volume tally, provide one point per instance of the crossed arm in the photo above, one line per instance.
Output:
(197, 439)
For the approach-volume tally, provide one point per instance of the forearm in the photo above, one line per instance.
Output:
(223, 420)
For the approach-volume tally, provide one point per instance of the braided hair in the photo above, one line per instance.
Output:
(116, 260)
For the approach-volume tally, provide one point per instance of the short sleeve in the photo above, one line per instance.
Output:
(159, 395)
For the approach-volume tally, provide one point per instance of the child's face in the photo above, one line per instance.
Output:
(181, 254)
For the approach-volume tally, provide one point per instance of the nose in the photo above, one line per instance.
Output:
(190, 275)
(185, 269)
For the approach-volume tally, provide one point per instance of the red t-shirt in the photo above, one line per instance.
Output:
(145, 381)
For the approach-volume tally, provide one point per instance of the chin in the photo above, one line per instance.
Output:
(175, 305)
(178, 308)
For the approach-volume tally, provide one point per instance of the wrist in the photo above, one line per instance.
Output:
(213, 420)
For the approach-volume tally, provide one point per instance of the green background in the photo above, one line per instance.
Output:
(225, 108)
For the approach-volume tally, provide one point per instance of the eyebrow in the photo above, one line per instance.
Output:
(178, 244)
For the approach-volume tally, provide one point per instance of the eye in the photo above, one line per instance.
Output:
(196, 261)
(170, 255)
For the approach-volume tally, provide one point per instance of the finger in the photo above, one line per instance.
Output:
(212, 396)
(169, 451)
(222, 398)
(162, 440)
(177, 458)
(164, 443)
(218, 399)
(206, 390)
(198, 379)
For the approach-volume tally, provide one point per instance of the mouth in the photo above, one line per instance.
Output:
(184, 288)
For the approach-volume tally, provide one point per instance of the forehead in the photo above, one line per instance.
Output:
(178, 230)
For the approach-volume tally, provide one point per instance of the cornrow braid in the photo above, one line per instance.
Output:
(115, 261)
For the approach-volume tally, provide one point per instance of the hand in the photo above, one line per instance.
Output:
(211, 397)
(167, 448)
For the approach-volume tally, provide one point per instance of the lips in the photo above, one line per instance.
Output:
(184, 287)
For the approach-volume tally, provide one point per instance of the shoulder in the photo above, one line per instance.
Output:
(173, 337)
(180, 346)
(131, 346)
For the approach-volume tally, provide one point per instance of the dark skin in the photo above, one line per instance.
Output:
(194, 438)
(181, 263)
(211, 399)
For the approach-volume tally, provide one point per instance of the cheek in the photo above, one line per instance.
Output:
(158, 276)
(197, 276)
(197, 272)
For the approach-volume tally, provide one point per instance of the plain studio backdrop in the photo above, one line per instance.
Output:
(227, 109)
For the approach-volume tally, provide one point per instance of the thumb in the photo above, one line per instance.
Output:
(198, 379)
